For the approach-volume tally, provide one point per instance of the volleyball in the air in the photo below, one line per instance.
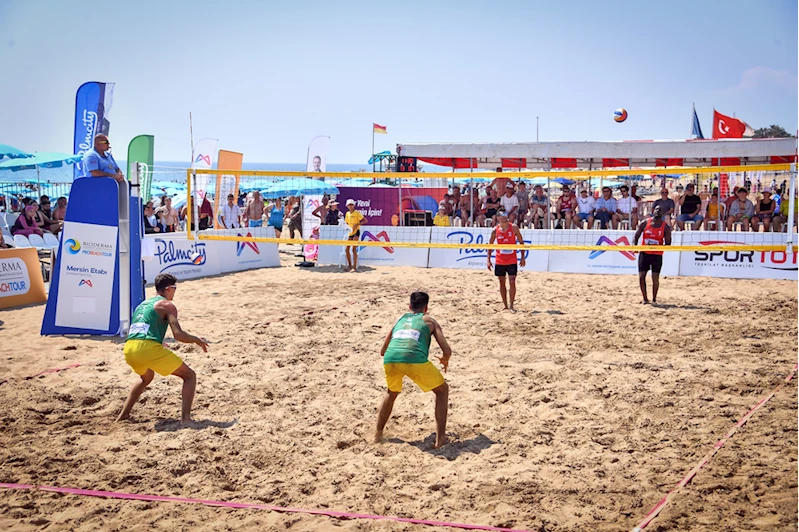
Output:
(620, 115)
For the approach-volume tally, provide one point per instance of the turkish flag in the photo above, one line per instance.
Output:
(726, 127)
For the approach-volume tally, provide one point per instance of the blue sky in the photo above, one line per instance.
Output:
(266, 77)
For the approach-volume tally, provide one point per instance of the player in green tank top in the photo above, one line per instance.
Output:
(145, 353)
(405, 351)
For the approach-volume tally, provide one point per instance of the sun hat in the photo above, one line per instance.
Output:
(350, 202)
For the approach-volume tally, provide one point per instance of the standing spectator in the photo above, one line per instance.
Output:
(98, 162)
(539, 207)
(169, 215)
(206, 215)
(499, 183)
(764, 211)
(666, 205)
(231, 214)
(742, 210)
(441, 219)
(321, 211)
(627, 207)
(150, 220)
(690, 209)
(524, 202)
(60, 211)
(26, 223)
(565, 207)
(276, 214)
(510, 203)
(605, 209)
(333, 215)
(585, 208)
(255, 210)
(295, 219)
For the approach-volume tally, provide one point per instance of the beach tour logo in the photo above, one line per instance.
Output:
(241, 245)
(86, 282)
(382, 236)
(603, 240)
(73, 246)
(204, 158)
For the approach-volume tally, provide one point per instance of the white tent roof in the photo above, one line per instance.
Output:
(639, 153)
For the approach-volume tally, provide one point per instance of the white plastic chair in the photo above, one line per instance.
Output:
(37, 242)
(11, 218)
(51, 241)
(3, 223)
(7, 235)
(21, 241)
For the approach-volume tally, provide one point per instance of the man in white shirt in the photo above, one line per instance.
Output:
(585, 208)
(230, 217)
(510, 202)
(627, 207)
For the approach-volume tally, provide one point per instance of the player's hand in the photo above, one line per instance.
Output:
(444, 362)
(489, 264)
(523, 262)
(202, 342)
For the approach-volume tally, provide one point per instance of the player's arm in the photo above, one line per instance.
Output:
(316, 212)
(491, 241)
(386, 342)
(438, 334)
(168, 308)
(667, 235)
(520, 240)
(640, 231)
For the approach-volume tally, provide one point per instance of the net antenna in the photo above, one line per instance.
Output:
(194, 216)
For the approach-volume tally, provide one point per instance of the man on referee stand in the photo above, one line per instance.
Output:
(656, 232)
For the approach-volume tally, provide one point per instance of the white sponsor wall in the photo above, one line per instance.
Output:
(476, 258)
(378, 256)
(86, 286)
(186, 259)
(613, 262)
(737, 264)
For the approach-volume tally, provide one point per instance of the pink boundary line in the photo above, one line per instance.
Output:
(719, 444)
(242, 505)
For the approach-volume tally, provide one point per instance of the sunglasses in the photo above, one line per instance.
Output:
(173, 287)
(102, 142)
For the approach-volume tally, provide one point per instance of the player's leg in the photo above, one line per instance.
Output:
(502, 289)
(349, 259)
(189, 387)
(135, 393)
(655, 286)
(512, 283)
(643, 267)
(354, 258)
(384, 413)
(442, 401)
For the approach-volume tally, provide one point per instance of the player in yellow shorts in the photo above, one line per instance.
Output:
(405, 353)
(145, 352)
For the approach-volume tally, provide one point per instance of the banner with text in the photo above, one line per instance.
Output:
(21, 280)
(92, 107)
(476, 259)
(226, 183)
(373, 255)
(381, 205)
(737, 264)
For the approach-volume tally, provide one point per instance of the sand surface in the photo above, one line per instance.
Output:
(577, 413)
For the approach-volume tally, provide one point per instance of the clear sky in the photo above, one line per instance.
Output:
(265, 77)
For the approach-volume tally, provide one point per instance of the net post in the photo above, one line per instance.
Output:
(189, 192)
(789, 243)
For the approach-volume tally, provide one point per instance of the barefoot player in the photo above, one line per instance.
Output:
(144, 350)
(405, 353)
(656, 233)
(506, 233)
(354, 219)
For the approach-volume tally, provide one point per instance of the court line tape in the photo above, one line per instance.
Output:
(46, 372)
(242, 505)
(719, 444)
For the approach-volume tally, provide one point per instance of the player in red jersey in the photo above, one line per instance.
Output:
(506, 233)
(656, 232)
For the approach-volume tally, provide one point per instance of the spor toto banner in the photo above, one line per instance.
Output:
(92, 107)
(86, 286)
(737, 264)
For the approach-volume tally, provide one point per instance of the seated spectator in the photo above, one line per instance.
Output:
(539, 207)
(565, 208)
(447, 203)
(489, 211)
(524, 203)
(150, 220)
(441, 219)
(585, 208)
(666, 205)
(732, 199)
(627, 208)
(690, 208)
(510, 203)
(3, 243)
(713, 214)
(60, 210)
(782, 218)
(26, 223)
(764, 211)
(43, 219)
(742, 210)
(605, 209)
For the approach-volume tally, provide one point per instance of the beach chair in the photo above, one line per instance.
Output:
(21, 241)
(51, 241)
(7, 237)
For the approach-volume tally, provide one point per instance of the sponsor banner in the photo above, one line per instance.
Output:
(238, 256)
(476, 259)
(140, 150)
(309, 221)
(601, 261)
(226, 183)
(183, 258)
(86, 275)
(92, 106)
(317, 154)
(381, 205)
(203, 157)
(737, 264)
(377, 256)
(21, 280)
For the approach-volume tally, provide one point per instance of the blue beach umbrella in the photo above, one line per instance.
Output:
(298, 187)
(40, 160)
(13, 153)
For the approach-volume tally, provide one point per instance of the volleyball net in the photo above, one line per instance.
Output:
(459, 209)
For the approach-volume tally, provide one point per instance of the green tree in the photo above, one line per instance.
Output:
(772, 132)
